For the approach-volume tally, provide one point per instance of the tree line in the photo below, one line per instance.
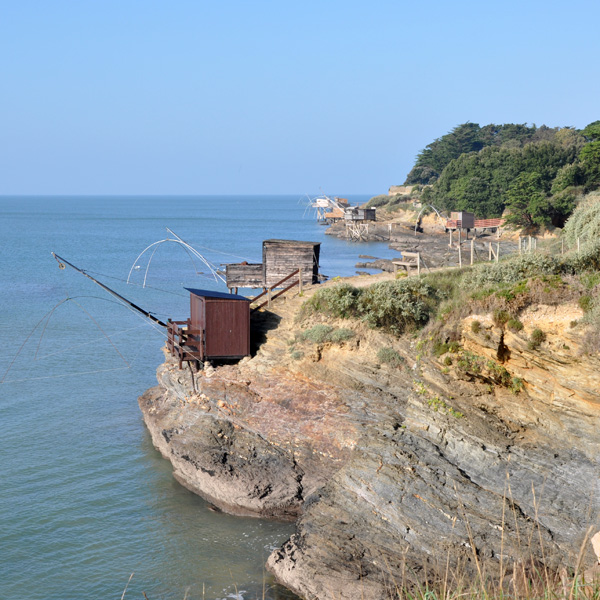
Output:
(534, 174)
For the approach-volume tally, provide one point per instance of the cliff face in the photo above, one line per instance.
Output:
(393, 470)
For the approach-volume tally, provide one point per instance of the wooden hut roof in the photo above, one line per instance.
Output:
(213, 294)
(293, 243)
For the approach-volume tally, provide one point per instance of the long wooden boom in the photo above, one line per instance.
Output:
(62, 262)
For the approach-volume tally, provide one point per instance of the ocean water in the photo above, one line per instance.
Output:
(87, 506)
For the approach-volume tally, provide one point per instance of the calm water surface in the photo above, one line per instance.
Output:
(85, 500)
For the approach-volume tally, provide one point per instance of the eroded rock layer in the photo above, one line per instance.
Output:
(394, 471)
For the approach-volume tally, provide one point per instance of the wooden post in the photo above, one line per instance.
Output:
(450, 244)
(300, 281)
(490, 243)
(269, 297)
(459, 257)
(472, 249)
(419, 264)
(497, 251)
(529, 248)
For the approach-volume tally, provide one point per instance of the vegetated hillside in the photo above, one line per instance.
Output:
(476, 425)
(537, 173)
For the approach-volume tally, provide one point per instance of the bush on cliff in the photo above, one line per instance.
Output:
(394, 306)
(338, 301)
(584, 223)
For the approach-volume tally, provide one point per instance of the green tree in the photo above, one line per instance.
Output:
(589, 158)
(523, 199)
(592, 131)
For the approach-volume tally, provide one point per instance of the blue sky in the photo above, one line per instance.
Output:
(262, 97)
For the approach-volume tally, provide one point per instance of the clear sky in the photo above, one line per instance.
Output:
(234, 97)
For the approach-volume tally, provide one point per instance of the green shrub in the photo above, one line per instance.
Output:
(297, 355)
(377, 201)
(389, 356)
(318, 334)
(454, 347)
(516, 385)
(440, 348)
(500, 317)
(498, 373)
(512, 292)
(588, 259)
(512, 270)
(475, 326)
(469, 363)
(391, 305)
(585, 303)
(336, 301)
(448, 361)
(590, 280)
(514, 325)
(341, 335)
(536, 338)
(584, 223)
(395, 305)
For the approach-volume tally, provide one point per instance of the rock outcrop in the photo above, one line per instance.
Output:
(395, 471)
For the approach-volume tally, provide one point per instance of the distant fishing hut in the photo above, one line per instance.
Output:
(357, 222)
(283, 261)
(218, 328)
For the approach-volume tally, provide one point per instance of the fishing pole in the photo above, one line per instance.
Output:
(62, 262)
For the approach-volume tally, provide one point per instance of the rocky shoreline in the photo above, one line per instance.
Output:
(393, 470)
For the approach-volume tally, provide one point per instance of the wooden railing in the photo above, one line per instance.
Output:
(184, 343)
(268, 292)
(477, 224)
(488, 223)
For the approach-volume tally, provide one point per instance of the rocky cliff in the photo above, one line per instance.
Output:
(399, 470)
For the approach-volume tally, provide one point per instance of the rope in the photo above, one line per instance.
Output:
(12, 362)
(137, 284)
(46, 318)
(86, 343)
(102, 330)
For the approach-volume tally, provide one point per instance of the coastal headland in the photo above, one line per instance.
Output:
(481, 455)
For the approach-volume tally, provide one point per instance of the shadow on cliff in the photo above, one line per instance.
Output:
(261, 322)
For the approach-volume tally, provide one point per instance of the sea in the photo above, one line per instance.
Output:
(88, 507)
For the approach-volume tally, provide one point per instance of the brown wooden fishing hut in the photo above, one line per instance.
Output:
(218, 328)
(281, 258)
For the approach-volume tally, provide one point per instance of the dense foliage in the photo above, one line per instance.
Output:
(584, 223)
(395, 306)
(535, 174)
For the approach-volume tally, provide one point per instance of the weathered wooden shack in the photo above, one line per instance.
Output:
(218, 328)
(354, 213)
(244, 275)
(461, 220)
(280, 259)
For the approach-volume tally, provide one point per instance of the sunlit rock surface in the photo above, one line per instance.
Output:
(394, 472)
